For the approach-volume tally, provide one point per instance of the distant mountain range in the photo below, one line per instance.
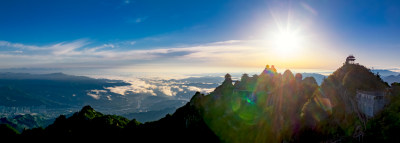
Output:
(384, 72)
(21, 122)
(388, 76)
(319, 78)
(55, 90)
(53, 94)
(270, 107)
(392, 78)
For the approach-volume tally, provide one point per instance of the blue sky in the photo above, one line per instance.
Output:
(197, 35)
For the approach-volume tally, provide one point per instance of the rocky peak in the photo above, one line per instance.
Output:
(87, 113)
(228, 79)
(269, 70)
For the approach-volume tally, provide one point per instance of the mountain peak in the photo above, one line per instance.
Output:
(88, 112)
(87, 108)
(269, 70)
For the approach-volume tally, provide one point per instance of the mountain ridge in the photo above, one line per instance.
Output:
(270, 107)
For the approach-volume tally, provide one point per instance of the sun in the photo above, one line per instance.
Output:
(287, 43)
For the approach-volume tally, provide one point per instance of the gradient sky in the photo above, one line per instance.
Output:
(197, 35)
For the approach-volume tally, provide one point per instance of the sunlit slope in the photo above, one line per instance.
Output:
(340, 88)
(269, 107)
(273, 107)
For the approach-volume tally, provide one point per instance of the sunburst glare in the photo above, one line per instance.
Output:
(287, 42)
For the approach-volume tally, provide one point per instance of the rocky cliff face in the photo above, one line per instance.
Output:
(341, 87)
(269, 107)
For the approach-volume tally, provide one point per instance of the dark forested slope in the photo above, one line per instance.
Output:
(270, 107)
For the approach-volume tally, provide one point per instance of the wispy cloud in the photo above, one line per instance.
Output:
(127, 1)
(167, 90)
(18, 45)
(69, 48)
(126, 54)
(137, 86)
(137, 19)
(140, 19)
(57, 49)
(81, 51)
(96, 94)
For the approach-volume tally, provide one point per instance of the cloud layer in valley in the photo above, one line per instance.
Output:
(181, 89)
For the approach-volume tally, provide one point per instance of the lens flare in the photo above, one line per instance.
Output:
(264, 108)
(287, 43)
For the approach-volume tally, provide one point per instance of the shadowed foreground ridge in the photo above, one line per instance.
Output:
(269, 107)
(184, 124)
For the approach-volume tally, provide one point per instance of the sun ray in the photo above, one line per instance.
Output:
(287, 39)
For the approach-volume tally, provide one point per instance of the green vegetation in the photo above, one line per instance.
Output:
(346, 120)
(269, 107)
(7, 131)
(385, 126)
(86, 122)
(21, 122)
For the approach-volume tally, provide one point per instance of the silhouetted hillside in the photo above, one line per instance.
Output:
(270, 107)
(21, 122)
(185, 124)
(85, 123)
(332, 114)
(384, 126)
(6, 132)
(150, 115)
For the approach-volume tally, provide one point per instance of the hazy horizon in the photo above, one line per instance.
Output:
(198, 36)
(200, 70)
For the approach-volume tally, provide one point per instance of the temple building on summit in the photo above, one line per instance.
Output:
(350, 59)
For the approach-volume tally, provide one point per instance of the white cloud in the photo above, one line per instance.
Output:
(81, 53)
(137, 86)
(140, 19)
(68, 48)
(152, 87)
(202, 90)
(95, 96)
(177, 87)
(96, 93)
(227, 42)
(136, 20)
(109, 97)
(18, 45)
(166, 90)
